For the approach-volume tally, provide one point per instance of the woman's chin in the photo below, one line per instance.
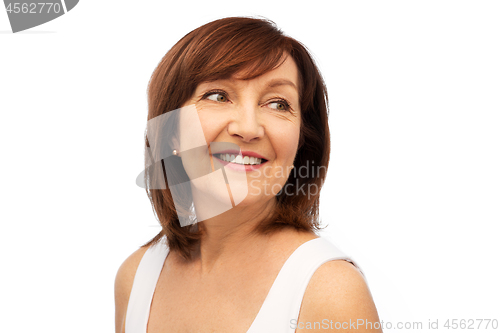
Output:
(214, 198)
(254, 199)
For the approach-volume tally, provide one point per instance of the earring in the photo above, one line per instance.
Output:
(174, 152)
(293, 166)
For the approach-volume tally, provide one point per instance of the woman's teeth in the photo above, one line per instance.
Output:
(247, 160)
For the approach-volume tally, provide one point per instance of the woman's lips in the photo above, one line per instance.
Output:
(240, 167)
(243, 153)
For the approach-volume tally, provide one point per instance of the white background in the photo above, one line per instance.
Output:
(412, 192)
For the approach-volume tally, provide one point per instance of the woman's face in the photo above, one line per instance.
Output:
(261, 117)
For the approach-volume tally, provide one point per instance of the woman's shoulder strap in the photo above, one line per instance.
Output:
(145, 280)
(282, 304)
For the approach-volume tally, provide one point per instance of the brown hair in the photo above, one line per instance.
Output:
(218, 50)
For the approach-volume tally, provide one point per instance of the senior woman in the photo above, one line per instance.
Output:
(237, 148)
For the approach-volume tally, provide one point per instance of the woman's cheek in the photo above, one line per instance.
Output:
(286, 139)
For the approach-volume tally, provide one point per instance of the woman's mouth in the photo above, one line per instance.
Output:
(237, 162)
(238, 159)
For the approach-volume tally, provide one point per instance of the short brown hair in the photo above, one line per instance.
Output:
(254, 46)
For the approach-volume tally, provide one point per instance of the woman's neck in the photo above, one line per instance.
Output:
(229, 238)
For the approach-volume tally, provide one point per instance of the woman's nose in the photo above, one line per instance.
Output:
(246, 124)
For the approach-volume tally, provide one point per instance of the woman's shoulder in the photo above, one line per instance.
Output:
(123, 285)
(128, 268)
(338, 292)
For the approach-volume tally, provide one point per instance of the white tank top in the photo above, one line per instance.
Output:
(280, 309)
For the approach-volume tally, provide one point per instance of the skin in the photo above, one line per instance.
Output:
(232, 269)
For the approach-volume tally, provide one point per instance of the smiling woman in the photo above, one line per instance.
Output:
(239, 112)
(260, 116)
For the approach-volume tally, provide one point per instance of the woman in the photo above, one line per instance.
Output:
(238, 127)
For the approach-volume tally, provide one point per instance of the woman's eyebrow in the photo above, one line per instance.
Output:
(281, 82)
(219, 82)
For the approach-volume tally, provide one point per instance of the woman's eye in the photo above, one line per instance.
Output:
(217, 97)
(279, 105)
